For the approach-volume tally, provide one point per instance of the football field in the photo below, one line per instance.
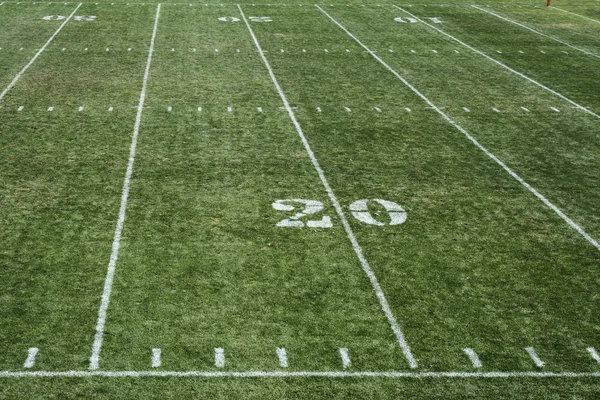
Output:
(300, 201)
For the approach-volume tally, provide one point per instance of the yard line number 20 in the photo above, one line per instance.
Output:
(359, 209)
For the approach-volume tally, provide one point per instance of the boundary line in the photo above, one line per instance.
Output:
(14, 81)
(110, 273)
(581, 16)
(292, 374)
(338, 208)
(503, 65)
(535, 31)
(471, 138)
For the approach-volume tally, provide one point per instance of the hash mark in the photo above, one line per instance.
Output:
(594, 354)
(156, 358)
(30, 361)
(219, 357)
(282, 355)
(473, 357)
(345, 357)
(536, 359)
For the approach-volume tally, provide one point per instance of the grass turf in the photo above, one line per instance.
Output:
(480, 262)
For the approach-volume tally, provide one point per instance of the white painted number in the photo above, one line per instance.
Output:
(84, 18)
(411, 20)
(310, 207)
(435, 20)
(260, 19)
(360, 211)
(76, 18)
(229, 19)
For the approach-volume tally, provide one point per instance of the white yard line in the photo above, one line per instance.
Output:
(535, 31)
(357, 249)
(579, 15)
(294, 374)
(471, 138)
(14, 81)
(503, 65)
(97, 346)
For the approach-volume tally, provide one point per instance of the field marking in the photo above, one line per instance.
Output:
(14, 81)
(294, 374)
(594, 354)
(282, 355)
(156, 361)
(219, 357)
(568, 220)
(579, 15)
(30, 361)
(535, 31)
(536, 359)
(357, 249)
(473, 357)
(110, 273)
(505, 66)
(345, 358)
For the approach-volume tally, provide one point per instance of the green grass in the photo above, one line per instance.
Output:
(480, 262)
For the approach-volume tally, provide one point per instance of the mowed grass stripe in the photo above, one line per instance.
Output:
(470, 225)
(534, 31)
(554, 151)
(550, 205)
(572, 13)
(16, 78)
(564, 74)
(61, 171)
(201, 228)
(583, 108)
(412, 362)
(114, 255)
(23, 34)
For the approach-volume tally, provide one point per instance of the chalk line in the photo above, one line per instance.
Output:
(293, 374)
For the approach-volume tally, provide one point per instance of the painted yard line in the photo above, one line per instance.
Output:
(357, 249)
(503, 65)
(293, 374)
(14, 81)
(571, 223)
(110, 273)
(579, 15)
(535, 31)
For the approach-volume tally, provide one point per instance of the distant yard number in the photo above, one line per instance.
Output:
(253, 19)
(76, 18)
(405, 20)
(359, 210)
